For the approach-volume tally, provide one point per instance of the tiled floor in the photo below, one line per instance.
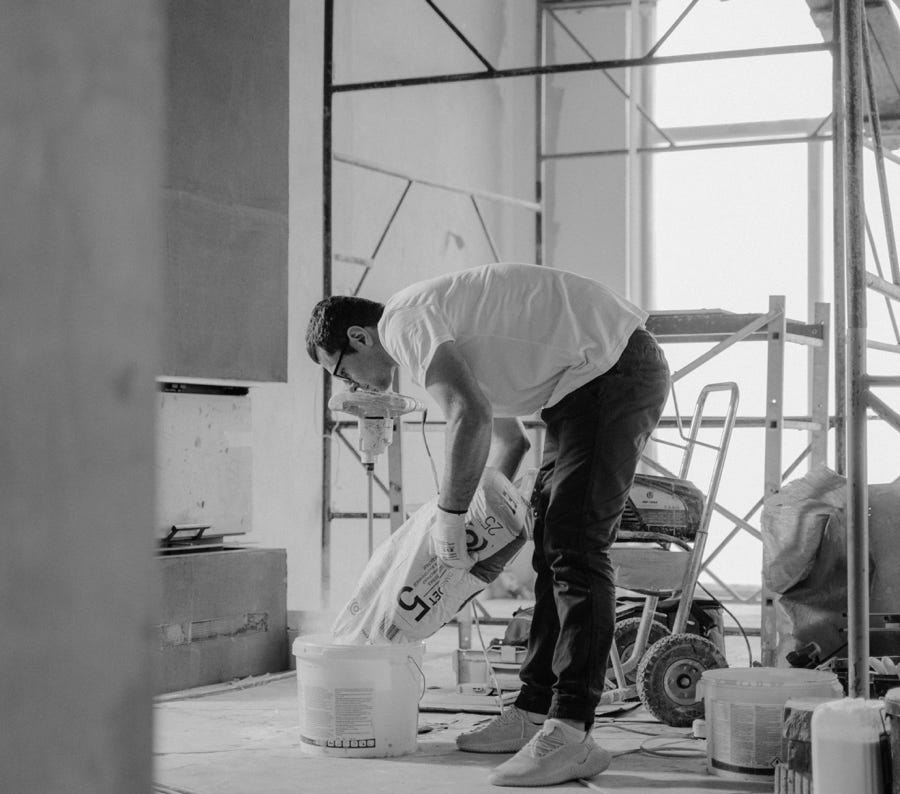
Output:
(243, 739)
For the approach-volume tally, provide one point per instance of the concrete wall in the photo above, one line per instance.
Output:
(223, 617)
(204, 462)
(286, 432)
(226, 186)
(80, 324)
(474, 135)
(595, 209)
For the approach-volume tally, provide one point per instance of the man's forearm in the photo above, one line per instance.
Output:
(468, 415)
(510, 445)
(468, 440)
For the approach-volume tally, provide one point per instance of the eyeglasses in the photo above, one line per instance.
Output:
(337, 366)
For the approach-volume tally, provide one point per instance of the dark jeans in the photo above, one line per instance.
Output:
(593, 444)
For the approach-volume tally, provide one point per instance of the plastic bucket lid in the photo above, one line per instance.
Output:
(759, 679)
(766, 676)
(773, 684)
(323, 645)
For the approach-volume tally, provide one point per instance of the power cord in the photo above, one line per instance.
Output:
(674, 748)
(437, 486)
(669, 747)
(492, 676)
(737, 622)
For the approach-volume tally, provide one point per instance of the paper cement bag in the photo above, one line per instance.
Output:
(406, 593)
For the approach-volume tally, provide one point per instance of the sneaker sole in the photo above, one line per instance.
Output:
(597, 761)
(509, 746)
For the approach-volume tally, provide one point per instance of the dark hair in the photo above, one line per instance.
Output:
(331, 318)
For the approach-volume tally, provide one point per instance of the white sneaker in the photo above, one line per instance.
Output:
(509, 731)
(551, 757)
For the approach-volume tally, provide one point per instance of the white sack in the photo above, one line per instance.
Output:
(796, 521)
(406, 593)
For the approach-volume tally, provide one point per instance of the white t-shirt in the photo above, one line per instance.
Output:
(530, 334)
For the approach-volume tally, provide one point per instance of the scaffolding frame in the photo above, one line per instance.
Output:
(853, 384)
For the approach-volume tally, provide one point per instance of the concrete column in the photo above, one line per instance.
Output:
(80, 285)
(593, 203)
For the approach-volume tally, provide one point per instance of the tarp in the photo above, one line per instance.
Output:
(805, 543)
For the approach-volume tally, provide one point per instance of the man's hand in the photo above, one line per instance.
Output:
(448, 537)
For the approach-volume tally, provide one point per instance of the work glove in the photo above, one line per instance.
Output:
(448, 539)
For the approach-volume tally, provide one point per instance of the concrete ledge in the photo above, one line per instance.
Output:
(223, 617)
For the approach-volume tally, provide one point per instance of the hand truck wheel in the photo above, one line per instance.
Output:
(668, 675)
(625, 635)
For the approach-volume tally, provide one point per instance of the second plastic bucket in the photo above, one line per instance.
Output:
(358, 700)
(892, 709)
(848, 747)
(744, 713)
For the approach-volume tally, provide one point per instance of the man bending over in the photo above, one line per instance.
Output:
(490, 345)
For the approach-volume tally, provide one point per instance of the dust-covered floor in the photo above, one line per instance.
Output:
(243, 739)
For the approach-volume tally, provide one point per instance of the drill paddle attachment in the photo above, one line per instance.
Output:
(376, 411)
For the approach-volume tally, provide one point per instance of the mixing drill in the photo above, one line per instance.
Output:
(375, 412)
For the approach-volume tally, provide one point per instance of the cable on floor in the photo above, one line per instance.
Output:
(669, 741)
(737, 622)
(674, 748)
(437, 485)
(670, 748)
(634, 730)
(490, 668)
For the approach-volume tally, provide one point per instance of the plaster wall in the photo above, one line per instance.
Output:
(204, 462)
(476, 135)
(247, 463)
(80, 324)
(595, 212)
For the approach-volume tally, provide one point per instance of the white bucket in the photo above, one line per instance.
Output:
(744, 708)
(358, 701)
(848, 743)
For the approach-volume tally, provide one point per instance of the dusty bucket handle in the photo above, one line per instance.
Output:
(421, 673)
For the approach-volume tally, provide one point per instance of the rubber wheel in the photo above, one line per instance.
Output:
(626, 633)
(668, 675)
